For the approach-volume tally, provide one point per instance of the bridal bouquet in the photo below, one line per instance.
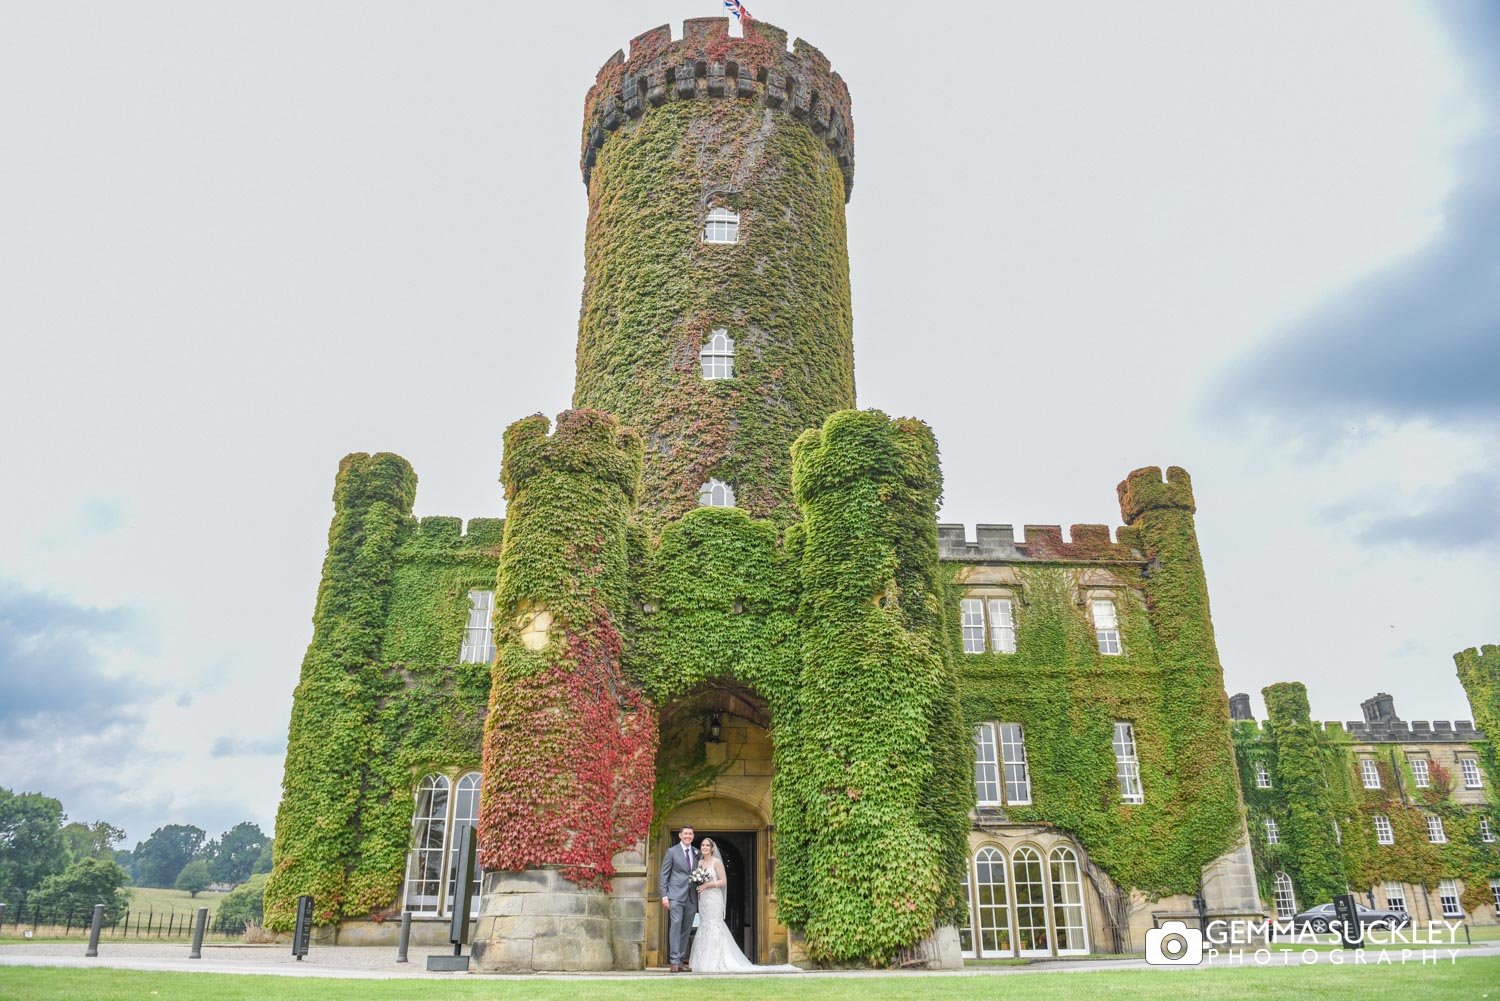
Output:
(700, 875)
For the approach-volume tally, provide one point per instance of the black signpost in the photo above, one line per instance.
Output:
(302, 935)
(1346, 912)
(463, 897)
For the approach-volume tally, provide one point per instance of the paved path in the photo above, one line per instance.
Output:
(355, 962)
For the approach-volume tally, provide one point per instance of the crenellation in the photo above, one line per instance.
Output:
(1041, 543)
(441, 529)
(1417, 731)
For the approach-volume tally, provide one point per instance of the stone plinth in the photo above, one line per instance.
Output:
(537, 921)
(627, 910)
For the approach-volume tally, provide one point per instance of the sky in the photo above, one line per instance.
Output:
(237, 242)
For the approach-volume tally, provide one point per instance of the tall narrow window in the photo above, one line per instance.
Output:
(1017, 774)
(1448, 897)
(1031, 902)
(1273, 833)
(1002, 626)
(424, 872)
(479, 632)
(1127, 765)
(1435, 832)
(1495, 892)
(1486, 831)
(991, 904)
(465, 816)
(716, 493)
(1106, 627)
(1470, 768)
(966, 930)
(1395, 897)
(986, 766)
(1067, 902)
(1286, 897)
(1369, 772)
(1383, 833)
(1419, 773)
(721, 226)
(1338, 834)
(1262, 775)
(971, 612)
(717, 356)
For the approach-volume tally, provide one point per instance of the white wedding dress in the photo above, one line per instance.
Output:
(714, 948)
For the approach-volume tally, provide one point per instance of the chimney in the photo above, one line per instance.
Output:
(1380, 708)
(1239, 706)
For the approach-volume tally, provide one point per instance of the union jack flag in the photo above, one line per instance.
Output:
(738, 9)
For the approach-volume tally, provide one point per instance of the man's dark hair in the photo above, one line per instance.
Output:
(687, 827)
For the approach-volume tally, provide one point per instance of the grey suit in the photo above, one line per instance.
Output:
(676, 885)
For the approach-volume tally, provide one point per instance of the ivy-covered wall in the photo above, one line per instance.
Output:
(382, 698)
(1315, 784)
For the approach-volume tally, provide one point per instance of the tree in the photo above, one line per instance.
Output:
(96, 840)
(193, 878)
(80, 886)
(232, 856)
(267, 857)
(161, 857)
(242, 905)
(32, 846)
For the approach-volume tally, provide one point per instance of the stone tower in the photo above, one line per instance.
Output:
(741, 129)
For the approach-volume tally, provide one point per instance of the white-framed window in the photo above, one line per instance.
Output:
(465, 816)
(986, 765)
(1419, 773)
(1285, 897)
(1127, 765)
(1435, 832)
(721, 225)
(1273, 833)
(966, 930)
(1486, 831)
(424, 870)
(1070, 930)
(1002, 626)
(971, 613)
(1395, 897)
(1262, 775)
(1032, 938)
(441, 814)
(1495, 893)
(1448, 897)
(992, 618)
(1383, 833)
(1106, 626)
(1470, 767)
(1017, 773)
(992, 903)
(1369, 773)
(479, 632)
(717, 356)
(715, 493)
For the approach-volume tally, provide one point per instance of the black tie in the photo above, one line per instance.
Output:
(687, 854)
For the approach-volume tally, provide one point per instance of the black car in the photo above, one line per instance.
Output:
(1319, 918)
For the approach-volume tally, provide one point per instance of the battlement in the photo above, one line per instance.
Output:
(1145, 490)
(1439, 731)
(443, 530)
(707, 63)
(1041, 544)
(587, 442)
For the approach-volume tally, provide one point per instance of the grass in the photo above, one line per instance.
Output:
(1469, 978)
(150, 898)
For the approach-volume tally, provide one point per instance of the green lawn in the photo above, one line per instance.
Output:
(150, 898)
(1469, 978)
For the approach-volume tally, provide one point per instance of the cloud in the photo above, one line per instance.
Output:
(1421, 338)
(51, 652)
(1460, 515)
(243, 747)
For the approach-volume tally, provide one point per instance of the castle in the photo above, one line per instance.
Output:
(721, 597)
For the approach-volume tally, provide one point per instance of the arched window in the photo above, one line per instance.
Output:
(424, 872)
(991, 904)
(465, 816)
(1067, 902)
(1031, 902)
(1286, 899)
(717, 356)
(716, 493)
(721, 226)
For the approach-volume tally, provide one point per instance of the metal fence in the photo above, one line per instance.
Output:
(19, 917)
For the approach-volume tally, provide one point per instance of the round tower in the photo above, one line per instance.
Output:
(716, 317)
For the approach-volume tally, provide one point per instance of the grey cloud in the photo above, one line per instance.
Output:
(1464, 514)
(1421, 339)
(245, 747)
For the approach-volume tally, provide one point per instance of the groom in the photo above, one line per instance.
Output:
(678, 897)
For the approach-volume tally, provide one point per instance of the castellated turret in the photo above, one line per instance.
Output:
(717, 170)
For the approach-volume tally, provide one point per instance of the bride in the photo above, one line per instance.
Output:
(714, 948)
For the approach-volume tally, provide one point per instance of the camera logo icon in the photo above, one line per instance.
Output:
(1174, 944)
